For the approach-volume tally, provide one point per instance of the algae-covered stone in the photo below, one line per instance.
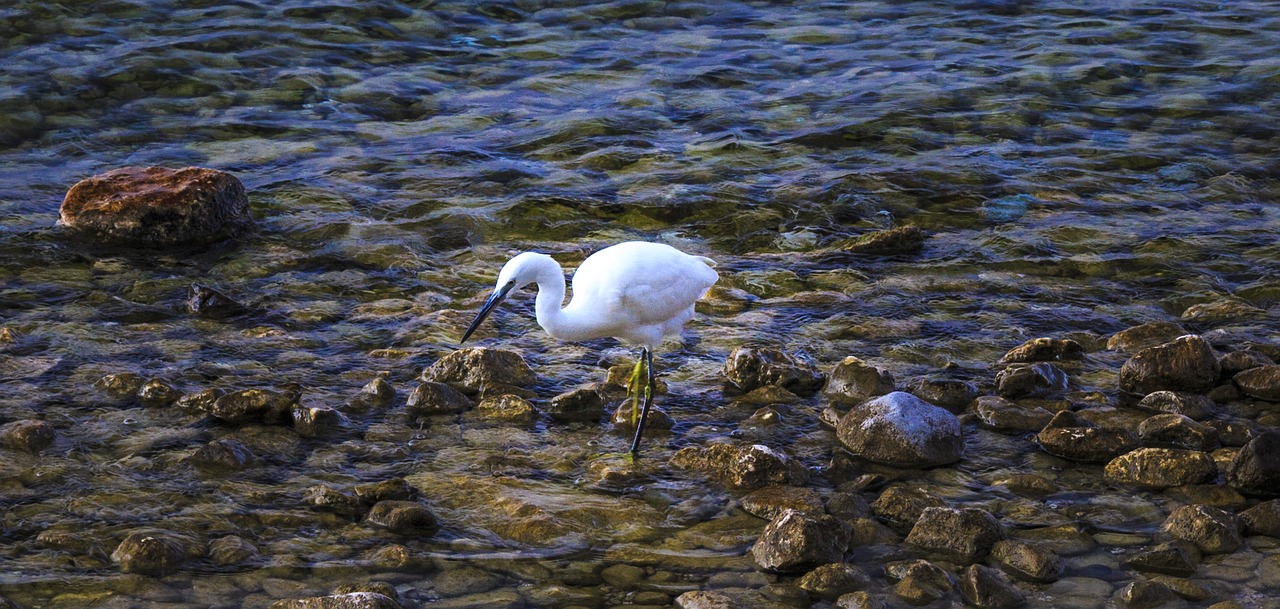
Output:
(795, 541)
(1186, 363)
(150, 552)
(745, 467)
(404, 517)
(1160, 468)
(27, 435)
(475, 367)
(902, 430)
(853, 380)
(1212, 530)
(1262, 382)
(1044, 350)
(749, 368)
(964, 534)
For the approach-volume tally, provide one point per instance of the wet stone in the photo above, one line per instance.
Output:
(465, 580)
(1160, 468)
(1212, 530)
(329, 499)
(1256, 468)
(383, 588)
(852, 381)
(922, 582)
(847, 506)
(157, 393)
(475, 367)
(1238, 361)
(404, 517)
(859, 600)
(1008, 416)
(1027, 561)
(352, 600)
(204, 301)
(252, 406)
(432, 399)
(1030, 485)
(1177, 431)
(394, 488)
(1070, 436)
(28, 435)
(1186, 363)
(831, 581)
(1044, 350)
(901, 430)
(952, 394)
(1145, 594)
(900, 507)
(201, 401)
(314, 421)
(582, 404)
(232, 550)
(151, 553)
(895, 241)
(511, 409)
(1262, 382)
(378, 391)
(1190, 405)
(987, 588)
(748, 467)
(770, 501)
(749, 368)
(1221, 311)
(1262, 519)
(795, 542)
(964, 535)
(222, 456)
(1150, 334)
(1177, 558)
(1040, 380)
(121, 386)
(156, 206)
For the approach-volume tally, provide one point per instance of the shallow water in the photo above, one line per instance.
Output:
(1079, 167)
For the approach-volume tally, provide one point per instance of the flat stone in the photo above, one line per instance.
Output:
(231, 550)
(1238, 361)
(741, 467)
(1071, 436)
(156, 207)
(907, 239)
(222, 456)
(1177, 431)
(404, 517)
(511, 409)
(351, 600)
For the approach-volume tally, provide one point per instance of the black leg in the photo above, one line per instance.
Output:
(647, 356)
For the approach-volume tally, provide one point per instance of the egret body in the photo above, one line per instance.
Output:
(636, 292)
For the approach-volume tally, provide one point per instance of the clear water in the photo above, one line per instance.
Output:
(1080, 167)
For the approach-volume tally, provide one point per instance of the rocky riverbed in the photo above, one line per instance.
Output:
(998, 319)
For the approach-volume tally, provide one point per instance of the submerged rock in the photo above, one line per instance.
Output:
(120, 386)
(1262, 382)
(404, 517)
(659, 419)
(316, 421)
(1191, 405)
(157, 393)
(1177, 431)
(1177, 558)
(252, 406)
(1212, 530)
(1027, 562)
(433, 398)
(1150, 334)
(1070, 436)
(900, 240)
(964, 535)
(749, 368)
(152, 553)
(582, 404)
(511, 409)
(351, 600)
(853, 380)
(831, 581)
(1040, 380)
(206, 302)
(232, 550)
(952, 394)
(1186, 363)
(1009, 416)
(795, 541)
(1255, 470)
(28, 435)
(771, 501)
(155, 206)
(1044, 350)
(474, 368)
(987, 588)
(222, 456)
(1160, 468)
(900, 507)
(749, 467)
(1145, 594)
(328, 499)
(901, 430)
(921, 582)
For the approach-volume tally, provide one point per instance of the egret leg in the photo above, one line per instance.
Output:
(634, 389)
(647, 357)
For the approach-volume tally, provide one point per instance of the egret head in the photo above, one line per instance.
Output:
(520, 271)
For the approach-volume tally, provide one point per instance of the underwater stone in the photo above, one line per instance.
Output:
(221, 456)
(749, 368)
(392, 488)
(252, 405)
(1039, 380)
(432, 398)
(901, 430)
(156, 207)
(120, 386)
(475, 367)
(964, 535)
(231, 550)
(922, 582)
(329, 499)
(157, 393)
(582, 404)
(206, 302)
(351, 600)
(831, 581)
(315, 421)
(506, 409)
(1150, 334)
(1177, 558)
(659, 418)
(1044, 350)
(1186, 363)
(404, 517)
(987, 588)
(895, 241)
(795, 541)
(28, 435)
(1008, 208)
(152, 553)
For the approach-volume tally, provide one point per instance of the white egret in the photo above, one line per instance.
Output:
(636, 292)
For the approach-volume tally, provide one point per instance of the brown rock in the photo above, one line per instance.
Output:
(952, 394)
(27, 435)
(1212, 530)
(1186, 363)
(770, 501)
(901, 240)
(853, 380)
(1150, 334)
(745, 467)
(1238, 361)
(749, 368)
(1044, 350)
(1190, 405)
(964, 534)
(1070, 436)
(155, 206)
(1027, 562)
(794, 542)
(1262, 382)
(473, 368)
(1160, 468)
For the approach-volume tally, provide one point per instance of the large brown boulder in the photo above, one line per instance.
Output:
(156, 206)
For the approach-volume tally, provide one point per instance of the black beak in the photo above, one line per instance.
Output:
(488, 307)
